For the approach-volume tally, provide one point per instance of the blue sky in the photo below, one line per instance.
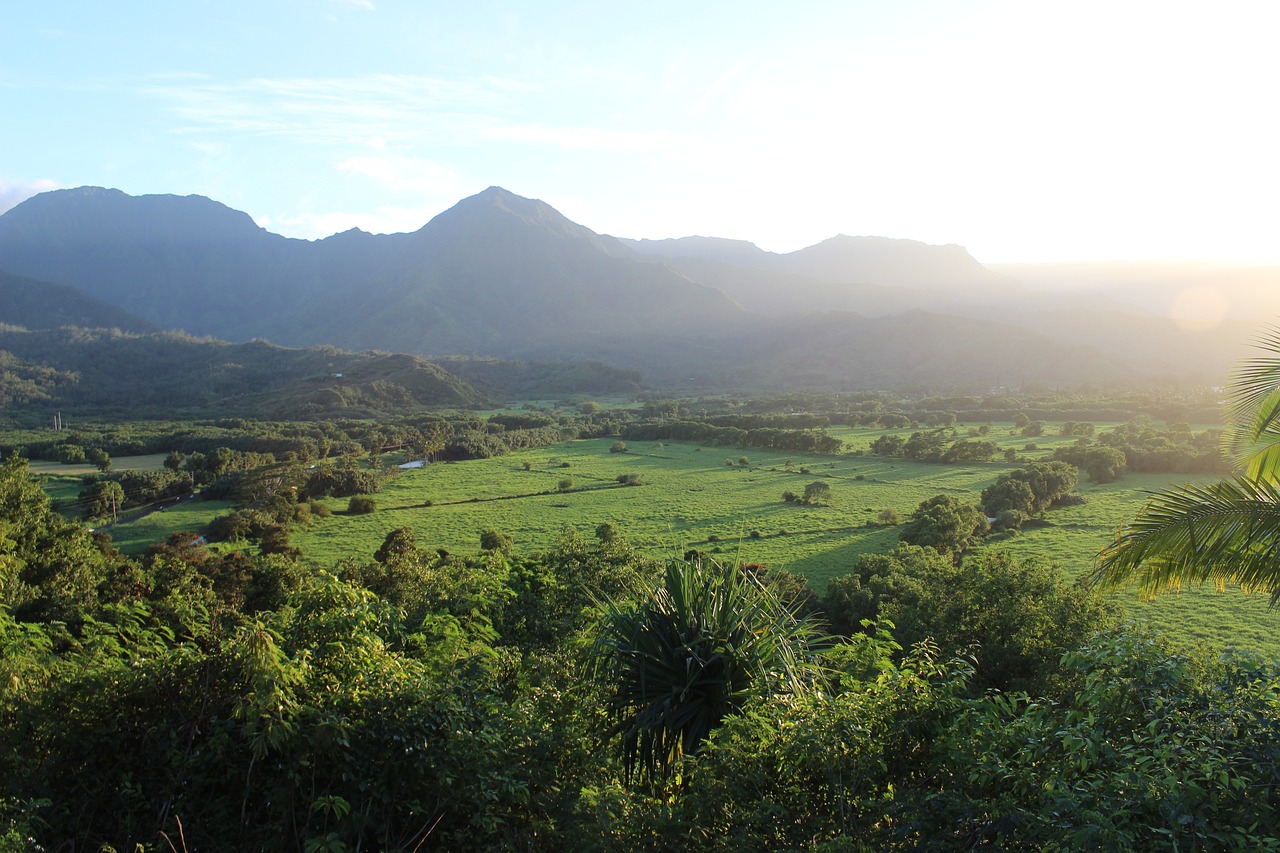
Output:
(1022, 130)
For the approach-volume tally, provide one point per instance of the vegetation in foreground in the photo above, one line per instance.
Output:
(937, 696)
(497, 701)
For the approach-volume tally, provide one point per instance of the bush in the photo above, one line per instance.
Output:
(566, 484)
(889, 517)
(361, 505)
(496, 540)
(631, 479)
(618, 447)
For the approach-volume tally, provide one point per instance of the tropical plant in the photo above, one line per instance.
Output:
(1227, 531)
(691, 653)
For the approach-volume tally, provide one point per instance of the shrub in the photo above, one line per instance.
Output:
(496, 540)
(566, 484)
(618, 447)
(889, 517)
(632, 479)
(361, 505)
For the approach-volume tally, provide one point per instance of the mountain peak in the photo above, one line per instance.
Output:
(495, 210)
(113, 215)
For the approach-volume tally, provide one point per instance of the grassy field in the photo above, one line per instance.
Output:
(703, 497)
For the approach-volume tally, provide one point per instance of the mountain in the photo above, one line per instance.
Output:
(35, 304)
(875, 276)
(499, 277)
(495, 274)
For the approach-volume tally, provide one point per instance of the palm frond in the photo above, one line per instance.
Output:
(1252, 436)
(1227, 532)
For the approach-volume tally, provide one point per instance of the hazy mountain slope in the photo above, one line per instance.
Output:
(505, 275)
(179, 262)
(43, 305)
(491, 274)
(137, 374)
(870, 275)
(501, 276)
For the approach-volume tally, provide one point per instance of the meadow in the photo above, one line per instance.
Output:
(705, 498)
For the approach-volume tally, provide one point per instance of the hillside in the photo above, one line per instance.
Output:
(113, 372)
(35, 304)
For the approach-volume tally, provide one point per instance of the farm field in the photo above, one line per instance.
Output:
(703, 497)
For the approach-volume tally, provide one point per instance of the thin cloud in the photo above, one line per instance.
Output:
(13, 193)
(333, 108)
(401, 107)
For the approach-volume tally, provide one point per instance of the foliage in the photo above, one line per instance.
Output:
(1227, 531)
(689, 654)
(1148, 752)
(944, 523)
(1016, 616)
(362, 505)
(817, 492)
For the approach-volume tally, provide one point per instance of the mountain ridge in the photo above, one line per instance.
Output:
(503, 276)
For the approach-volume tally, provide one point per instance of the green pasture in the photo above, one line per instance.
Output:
(702, 497)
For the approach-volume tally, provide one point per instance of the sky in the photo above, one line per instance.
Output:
(1023, 130)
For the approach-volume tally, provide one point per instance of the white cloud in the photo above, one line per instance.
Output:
(13, 193)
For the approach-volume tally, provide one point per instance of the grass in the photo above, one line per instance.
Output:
(692, 499)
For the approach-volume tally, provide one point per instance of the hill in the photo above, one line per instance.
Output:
(135, 375)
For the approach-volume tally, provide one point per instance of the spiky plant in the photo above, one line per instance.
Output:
(691, 652)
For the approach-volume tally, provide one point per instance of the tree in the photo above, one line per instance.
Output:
(1227, 531)
(817, 493)
(100, 458)
(173, 461)
(1006, 493)
(945, 524)
(1032, 489)
(103, 498)
(690, 653)
(1104, 464)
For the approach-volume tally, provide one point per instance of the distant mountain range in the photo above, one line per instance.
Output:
(503, 277)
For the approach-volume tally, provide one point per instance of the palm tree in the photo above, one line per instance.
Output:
(1228, 531)
(692, 652)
